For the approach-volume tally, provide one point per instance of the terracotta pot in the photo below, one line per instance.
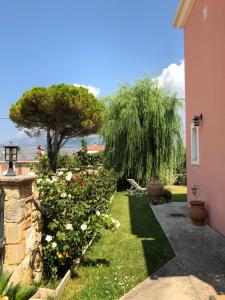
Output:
(155, 190)
(198, 212)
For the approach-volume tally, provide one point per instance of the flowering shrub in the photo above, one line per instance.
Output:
(75, 208)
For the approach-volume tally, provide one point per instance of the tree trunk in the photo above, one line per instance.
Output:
(53, 151)
(53, 162)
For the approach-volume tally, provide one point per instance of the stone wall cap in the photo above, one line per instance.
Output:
(18, 179)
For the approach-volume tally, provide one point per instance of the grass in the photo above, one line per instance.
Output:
(122, 259)
(179, 193)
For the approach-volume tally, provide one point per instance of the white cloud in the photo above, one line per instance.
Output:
(92, 89)
(172, 79)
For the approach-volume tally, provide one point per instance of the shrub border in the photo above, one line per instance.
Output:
(43, 293)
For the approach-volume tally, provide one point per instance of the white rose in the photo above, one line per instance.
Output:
(48, 238)
(69, 176)
(60, 173)
(54, 178)
(98, 213)
(48, 180)
(69, 196)
(54, 245)
(39, 180)
(83, 227)
(69, 226)
(117, 224)
(63, 195)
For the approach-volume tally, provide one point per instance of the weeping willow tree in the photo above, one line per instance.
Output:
(142, 131)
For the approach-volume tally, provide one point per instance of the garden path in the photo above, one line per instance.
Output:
(197, 271)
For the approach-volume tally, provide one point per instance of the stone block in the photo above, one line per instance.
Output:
(26, 223)
(26, 277)
(13, 233)
(11, 193)
(30, 238)
(14, 254)
(15, 211)
(25, 191)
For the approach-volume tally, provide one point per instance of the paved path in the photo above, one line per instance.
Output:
(197, 271)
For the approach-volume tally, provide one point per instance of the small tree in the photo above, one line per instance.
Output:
(142, 131)
(62, 111)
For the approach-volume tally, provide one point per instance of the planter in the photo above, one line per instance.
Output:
(155, 191)
(198, 212)
(45, 293)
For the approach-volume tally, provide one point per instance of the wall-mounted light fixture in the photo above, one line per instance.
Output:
(11, 156)
(195, 191)
(197, 120)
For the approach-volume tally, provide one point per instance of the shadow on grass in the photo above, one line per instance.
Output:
(95, 262)
(156, 248)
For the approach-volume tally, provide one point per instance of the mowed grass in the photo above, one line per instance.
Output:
(122, 259)
(179, 193)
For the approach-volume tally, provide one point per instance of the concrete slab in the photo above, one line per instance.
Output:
(198, 270)
(200, 250)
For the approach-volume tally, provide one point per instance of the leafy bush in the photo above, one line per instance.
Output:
(66, 161)
(82, 159)
(181, 179)
(15, 291)
(75, 209)
(167, 194)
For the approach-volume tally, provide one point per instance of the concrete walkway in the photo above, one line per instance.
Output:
(197, 271)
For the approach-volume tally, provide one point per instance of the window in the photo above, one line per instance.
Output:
(194, 145)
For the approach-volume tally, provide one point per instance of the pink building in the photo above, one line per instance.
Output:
(203, 22)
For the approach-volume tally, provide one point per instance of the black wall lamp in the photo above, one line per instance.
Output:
(197, 120)
(11, 156)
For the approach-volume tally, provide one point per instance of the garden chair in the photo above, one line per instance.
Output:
(136, 189)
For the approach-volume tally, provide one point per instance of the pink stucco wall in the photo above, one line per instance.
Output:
(204, 35)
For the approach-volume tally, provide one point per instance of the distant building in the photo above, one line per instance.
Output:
(95, 149)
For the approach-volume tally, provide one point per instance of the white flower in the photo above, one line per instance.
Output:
(54, 245)
(48, 180)
(54, 179)
(48, 238)
(69, 226)
(60, 173)
(69, 196)
(63, 195)
(83, 227)
(39, 180)
(69, 176)
(98, 213)
(117, 224)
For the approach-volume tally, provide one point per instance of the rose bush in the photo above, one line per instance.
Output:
(74, 210)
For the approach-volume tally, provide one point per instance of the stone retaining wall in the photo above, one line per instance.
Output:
(22, 229)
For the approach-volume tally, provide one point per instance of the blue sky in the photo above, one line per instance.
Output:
(91, 42)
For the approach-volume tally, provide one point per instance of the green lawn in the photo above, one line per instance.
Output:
(179, 193)
(122, 259)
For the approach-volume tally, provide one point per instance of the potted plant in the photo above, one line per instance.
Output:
(197, 208)
(167, 195)
(155, 190)
(10, 291)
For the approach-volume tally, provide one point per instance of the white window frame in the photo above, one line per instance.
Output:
(197, 161)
